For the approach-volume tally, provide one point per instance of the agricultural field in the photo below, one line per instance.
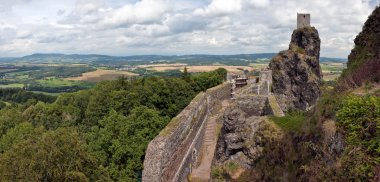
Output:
(47, 79)
(12, 85)
(55, 82)
(331, 70)
(101, 75)
(54, 77)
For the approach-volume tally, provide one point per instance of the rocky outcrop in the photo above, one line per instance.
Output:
(367, 43)
(364, 60)
(245, 132)
(296, 72)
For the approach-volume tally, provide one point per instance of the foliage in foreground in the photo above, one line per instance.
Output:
(307, 152)
(97, 134)
(360, 119)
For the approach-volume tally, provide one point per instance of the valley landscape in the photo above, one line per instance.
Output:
(55, 74)
(189, 91)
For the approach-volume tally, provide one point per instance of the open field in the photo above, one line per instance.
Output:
(259, 65)
(13, 85)
(100, 75)
(332, 71)
(54, 82)
(161, 65)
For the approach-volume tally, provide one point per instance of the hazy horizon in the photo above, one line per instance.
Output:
(168, 27)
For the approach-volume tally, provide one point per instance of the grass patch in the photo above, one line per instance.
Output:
(54, 82)
(14, 85)
(217, 173)
(51, 82)
(291, 122)
(46, 93)
(297, 49)
(231, 167)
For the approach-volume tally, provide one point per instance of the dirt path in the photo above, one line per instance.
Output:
(202, 173)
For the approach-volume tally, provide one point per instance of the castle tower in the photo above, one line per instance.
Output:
(303, 20)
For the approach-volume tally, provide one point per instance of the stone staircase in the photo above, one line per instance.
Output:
(202, 172)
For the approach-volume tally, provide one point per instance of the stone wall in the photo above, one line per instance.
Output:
(264, 84)
(254, 105)
(171, 154)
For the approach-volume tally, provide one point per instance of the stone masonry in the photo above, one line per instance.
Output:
(303, 20)
(171, 155)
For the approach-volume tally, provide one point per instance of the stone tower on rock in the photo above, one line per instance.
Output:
(303, 20)
(296, 72)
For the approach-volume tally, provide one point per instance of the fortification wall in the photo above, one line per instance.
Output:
(171, 154)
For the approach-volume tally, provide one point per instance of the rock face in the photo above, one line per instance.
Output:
(240, 142)
(296, 72)
(245, 133)
(367, 43)
(364, 60)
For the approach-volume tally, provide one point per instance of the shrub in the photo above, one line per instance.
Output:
(360, 119)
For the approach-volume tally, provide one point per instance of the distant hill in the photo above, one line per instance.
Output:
(197, 59)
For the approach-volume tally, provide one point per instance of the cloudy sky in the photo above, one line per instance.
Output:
(174, 27)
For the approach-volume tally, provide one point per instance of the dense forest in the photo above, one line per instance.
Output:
(98, 134)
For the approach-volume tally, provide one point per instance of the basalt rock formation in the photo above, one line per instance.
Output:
(364, 60)
(296, 72)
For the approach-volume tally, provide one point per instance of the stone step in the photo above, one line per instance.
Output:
(209, 138)
(203, 171)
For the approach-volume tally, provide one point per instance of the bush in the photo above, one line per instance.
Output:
(360, 119)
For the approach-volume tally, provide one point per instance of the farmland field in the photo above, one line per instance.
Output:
(331, 71)
(100, 75)
(54, 82)
(54, 76)
(13, 85)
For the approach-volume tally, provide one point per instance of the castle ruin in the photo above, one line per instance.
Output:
(303, 20)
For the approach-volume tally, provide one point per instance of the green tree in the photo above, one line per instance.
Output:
(186, 75)
(14, 135)
(120, 142)
(57, 155)
(9, 118)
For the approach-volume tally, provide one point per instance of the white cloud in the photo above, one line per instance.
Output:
(121, 27)
(143, 12)
(258, 3)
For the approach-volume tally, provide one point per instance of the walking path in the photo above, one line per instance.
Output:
(202, 172)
